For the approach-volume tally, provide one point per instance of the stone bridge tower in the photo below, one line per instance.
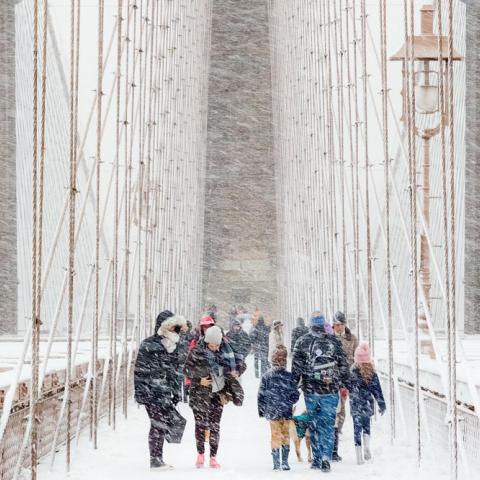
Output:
(8, 201)
(240, 221)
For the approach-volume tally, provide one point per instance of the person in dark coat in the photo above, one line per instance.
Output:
(349, 343)
(320, 366)
(299, 331)
(259, 336)
(207, 368)
(156, 380)
(232, 316)
(365, 389)
(240, 342)
(277, 394)
(183, 349)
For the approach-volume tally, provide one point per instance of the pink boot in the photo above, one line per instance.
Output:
(200, 460)
(214, 463)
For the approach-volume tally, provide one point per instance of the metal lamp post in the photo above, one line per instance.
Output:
(427, 103)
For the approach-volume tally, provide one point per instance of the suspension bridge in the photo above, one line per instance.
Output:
(285, 156)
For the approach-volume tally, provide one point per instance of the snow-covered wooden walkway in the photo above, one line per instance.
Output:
(244, 452)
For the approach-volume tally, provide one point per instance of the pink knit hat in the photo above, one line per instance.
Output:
(362, 353)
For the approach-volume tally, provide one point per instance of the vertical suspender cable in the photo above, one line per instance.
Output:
(331, 166)
(340, 80)
(141, 129)
(116, 209)
(415, 223)
(370, 320)
(356, 187)
(35, 320)
(441, 87)
(452, 332)
(409, 112)
(128, 188)
(42, 157)
(350, 142)
(134, 115)
(96, 319)
(150, 123)
(386, 159)
(71, 222)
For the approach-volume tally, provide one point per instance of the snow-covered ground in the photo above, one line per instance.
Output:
(244, 451)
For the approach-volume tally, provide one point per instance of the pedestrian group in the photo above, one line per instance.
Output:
(204, 367)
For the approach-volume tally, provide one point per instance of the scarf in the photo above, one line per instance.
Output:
(216, 369)
(170, 340)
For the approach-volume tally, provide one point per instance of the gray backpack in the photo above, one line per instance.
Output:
(322, 362)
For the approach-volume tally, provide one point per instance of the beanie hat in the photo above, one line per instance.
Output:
(339, 319)
(317, 320)
(300, 322)
(161, 318)
(206, 320)
(362, 353)
(277, 323)
(279, 357)
(214, 335)
(212, 312)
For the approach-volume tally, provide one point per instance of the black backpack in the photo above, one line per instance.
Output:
(322, 362)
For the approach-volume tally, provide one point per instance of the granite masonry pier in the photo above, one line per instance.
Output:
(240, 225)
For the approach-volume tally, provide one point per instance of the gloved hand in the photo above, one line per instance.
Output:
(382, 411)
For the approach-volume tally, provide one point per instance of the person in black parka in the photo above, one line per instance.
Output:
(259, 336)
(240, 342)
(299, 331)
(156, 381)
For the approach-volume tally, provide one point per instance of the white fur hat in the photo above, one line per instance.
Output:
(214, 335)
(176, 320)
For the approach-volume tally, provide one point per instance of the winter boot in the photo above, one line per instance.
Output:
(366, 447)
(157, 464)
(359, 453)
(335, 456)
(214, 463)
(285, 452)
(200, 460)
(276, 459)
(325, 465)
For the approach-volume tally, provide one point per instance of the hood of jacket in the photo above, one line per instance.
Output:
(171, 338)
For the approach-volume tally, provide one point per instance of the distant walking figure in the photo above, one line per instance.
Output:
(299, 331)
(275, 338)
(259, 338)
